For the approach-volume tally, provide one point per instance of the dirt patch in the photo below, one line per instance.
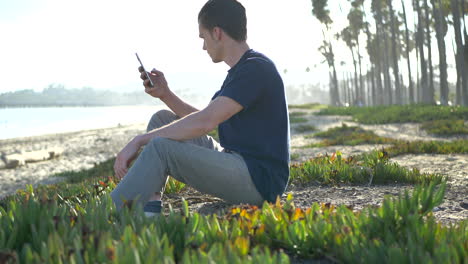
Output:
(455, 167)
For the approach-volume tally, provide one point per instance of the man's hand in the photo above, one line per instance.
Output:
(125, 157)
(160, 88)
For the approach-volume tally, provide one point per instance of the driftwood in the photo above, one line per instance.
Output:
(16, 160)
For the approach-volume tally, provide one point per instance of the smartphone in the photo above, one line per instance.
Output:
(147, 75)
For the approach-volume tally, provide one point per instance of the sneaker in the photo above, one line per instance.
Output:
(152, 208)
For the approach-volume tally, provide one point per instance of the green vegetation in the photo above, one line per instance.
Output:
(297, 117)
(365, 169)
(214, 134)
(305, 128)
(428, 147)
(36, 228)
(295, 120)
(297, 114)
(399, 113)
(295, 157)
(348, 135)
(75, 221)
(311, 106)
(446, 127)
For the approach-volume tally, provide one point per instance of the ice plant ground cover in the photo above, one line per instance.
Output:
(446, 127)
(311, 106)
(37, 228)
(347, 135)
(303, 128)
(353, 135)
(297, 117)
(75, 221)
(399, 113)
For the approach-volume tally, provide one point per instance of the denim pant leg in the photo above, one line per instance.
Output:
(165, 117)
(224, 175)
(199, 163)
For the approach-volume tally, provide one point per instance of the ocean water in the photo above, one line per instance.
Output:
(25, 122)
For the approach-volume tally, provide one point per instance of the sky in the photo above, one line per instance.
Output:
(93, 43)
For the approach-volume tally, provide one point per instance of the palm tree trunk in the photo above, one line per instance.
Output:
(336, 94)
(356, 85)
(396, 71)
(458, 82)
(372, 90)
(417, 95)
(460, 56)
(387, 80)
(420, 43)
(361, 81)
(408, 60)
(465, 69)
(430, 92)
(377, 82)
(440, 24)
(351, 90)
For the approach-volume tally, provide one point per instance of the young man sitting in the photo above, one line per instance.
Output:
(251, 162)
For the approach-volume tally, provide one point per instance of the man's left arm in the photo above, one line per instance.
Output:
(196, 124)
(191, 126)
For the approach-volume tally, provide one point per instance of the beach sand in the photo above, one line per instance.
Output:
(83, 149)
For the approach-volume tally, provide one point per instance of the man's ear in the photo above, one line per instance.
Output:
(217, 33)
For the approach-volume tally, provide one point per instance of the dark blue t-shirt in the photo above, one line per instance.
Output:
(260, 132)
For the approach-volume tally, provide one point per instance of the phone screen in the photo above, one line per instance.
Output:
(147, 75)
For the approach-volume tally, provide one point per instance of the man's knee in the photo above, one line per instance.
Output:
(161, 118)
(160, 143)
(163, 115)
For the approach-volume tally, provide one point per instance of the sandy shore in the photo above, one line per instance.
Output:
(83, 149)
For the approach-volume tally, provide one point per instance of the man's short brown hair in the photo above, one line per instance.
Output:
(229, 15)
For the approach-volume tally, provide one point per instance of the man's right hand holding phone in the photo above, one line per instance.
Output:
(160, 88)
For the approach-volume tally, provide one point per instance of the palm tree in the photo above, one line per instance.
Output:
(357, 25)
(321, 12)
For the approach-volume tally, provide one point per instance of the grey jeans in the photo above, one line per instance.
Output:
(201, 163)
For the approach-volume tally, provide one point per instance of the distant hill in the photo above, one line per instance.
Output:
(60, 96)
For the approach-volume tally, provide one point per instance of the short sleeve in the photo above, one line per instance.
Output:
(247, 84)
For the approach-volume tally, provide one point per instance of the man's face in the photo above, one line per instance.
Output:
(210, 44)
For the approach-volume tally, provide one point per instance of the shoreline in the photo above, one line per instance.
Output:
(60, 134)
(81, 150)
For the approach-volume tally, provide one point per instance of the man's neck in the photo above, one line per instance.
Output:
(235, 51)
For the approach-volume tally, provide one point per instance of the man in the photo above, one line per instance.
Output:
(250, 165)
